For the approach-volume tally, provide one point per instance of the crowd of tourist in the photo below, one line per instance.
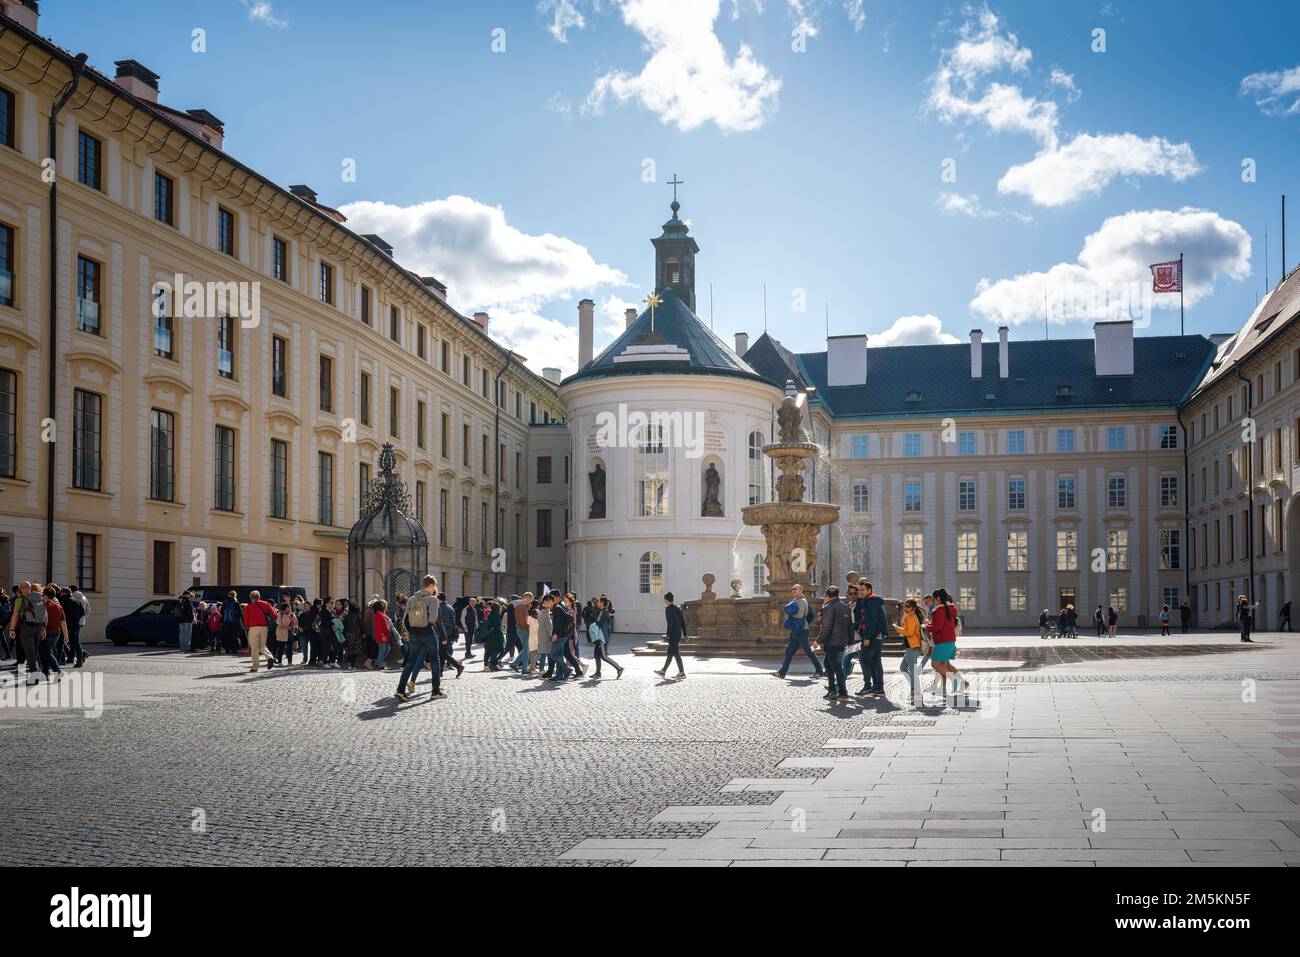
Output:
(857, 625)
(40, 627)
(538, 637)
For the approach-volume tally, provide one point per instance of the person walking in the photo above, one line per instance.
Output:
(27, 623)
(519, 614)
(354, 642)
(675, 631)
(909, 627)
(573, 615)
(421, 621)
(469, 625)
(836, 630)
(1245, 617)
(447, 634)
(1283, 617)
(1099, 619)
(1112, 620)
(383, 632)
(1044, 624)
(942, 627)
(596, 631)
(873, 625)
(258, 618)
(491, 633)
(213, 614)
(286, 628)
(548, 623)
(75, 628)
(1185, 615)
(185, 621)
(1164, 621)
(75, 614)
(56, 633)
(796, 622)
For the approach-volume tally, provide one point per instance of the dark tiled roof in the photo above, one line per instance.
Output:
(1165, 370)
(774, 362)
(678, 326)
(1274, 313)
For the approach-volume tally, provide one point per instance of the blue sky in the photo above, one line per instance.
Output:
(519, 176)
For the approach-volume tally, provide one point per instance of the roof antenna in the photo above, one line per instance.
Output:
(1267, 287)
(828, 319)
(1047, 333)
(710, 305)
(765, 307)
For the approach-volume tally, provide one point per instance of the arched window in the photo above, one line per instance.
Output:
(755, 468)
(652, 491)
(652, 574)
(760, 575)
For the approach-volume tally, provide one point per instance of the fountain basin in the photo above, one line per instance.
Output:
(790, 513)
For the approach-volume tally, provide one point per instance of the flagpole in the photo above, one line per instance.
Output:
(1181, 283)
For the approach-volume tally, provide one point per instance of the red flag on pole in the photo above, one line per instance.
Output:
(1167, 277)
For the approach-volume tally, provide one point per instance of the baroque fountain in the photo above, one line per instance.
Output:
(747, 627)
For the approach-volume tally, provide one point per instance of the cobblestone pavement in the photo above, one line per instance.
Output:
(194, 761)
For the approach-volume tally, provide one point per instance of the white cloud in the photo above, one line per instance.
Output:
(962, 89)
(1276, 93)
(1086, 165)
(565, 16)
(491, 266)
(969, 204)
(260, 11)
(1114, 261)
(559, 104)
(1066, 82)
(924, 330)
(857, 17)
(689, 80)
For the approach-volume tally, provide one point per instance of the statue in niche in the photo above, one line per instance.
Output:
(597, 479)
(712, 485)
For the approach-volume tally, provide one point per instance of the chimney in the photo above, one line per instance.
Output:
(481, 320)
(629, 317)
(1004, 360)
(977, 353)
(22, 12)
(551, 375)
(305, 193)
(137, 79)
(586, 330)
(742, 343)
(1113, 347)
(379, 243)
(846, 360)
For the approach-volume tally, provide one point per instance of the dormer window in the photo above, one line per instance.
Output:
(913, 396)
(1064, 391)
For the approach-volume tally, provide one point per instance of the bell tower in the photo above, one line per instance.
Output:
(675, 253)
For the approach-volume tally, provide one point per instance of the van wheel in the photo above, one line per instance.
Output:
(151, 642)
(117, 638)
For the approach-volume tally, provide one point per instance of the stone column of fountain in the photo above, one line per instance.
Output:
(790, 525)
(743, 627)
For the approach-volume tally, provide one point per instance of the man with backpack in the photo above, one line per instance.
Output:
(27, 622)
(421, 617)
(258, 617)
(797, 613)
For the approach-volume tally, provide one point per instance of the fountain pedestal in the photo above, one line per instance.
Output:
(791, 527)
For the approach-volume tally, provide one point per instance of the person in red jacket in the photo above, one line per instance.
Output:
(259, 616)
(383, 632)
(942, 627)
